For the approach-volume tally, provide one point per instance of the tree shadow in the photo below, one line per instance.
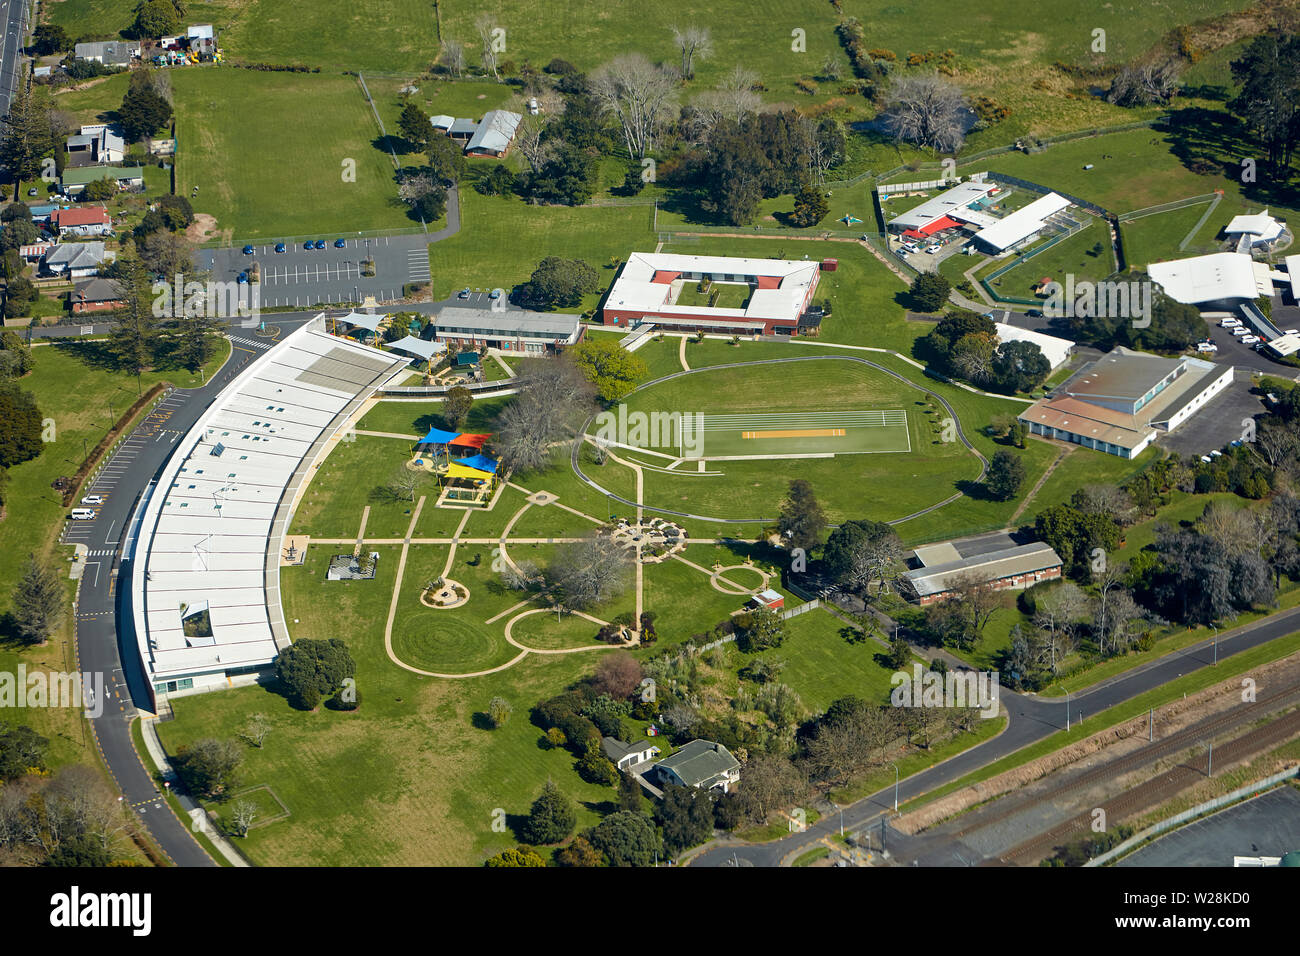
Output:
(853, 635)
(603, 807)
(479, 720)
(975, 490)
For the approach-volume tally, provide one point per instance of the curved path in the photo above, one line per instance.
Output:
(961, 434)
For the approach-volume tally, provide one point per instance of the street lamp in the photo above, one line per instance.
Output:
(1067, 711)
(895, 766)
(1216, 645)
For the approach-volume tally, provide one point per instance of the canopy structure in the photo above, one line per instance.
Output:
(437, 436)
(362, 320)
(470, 441)
(457, 470)
(418, 347)
(478, 463)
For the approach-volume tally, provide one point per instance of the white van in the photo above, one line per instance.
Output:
(1230, 323)
(82, 514)
(1240, 332)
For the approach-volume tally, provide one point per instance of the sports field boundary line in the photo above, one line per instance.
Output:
(956, 419)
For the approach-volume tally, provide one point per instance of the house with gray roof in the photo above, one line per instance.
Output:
(494, 135)
(76, 260)
(701, 764)
(1017, 567)
(624, 756)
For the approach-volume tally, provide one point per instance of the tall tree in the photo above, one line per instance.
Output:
(145, 109)
(927, 111)
(551, 818)
(639, 94)
(1269, 102)
(694, 43)
(802, 520)
(21, 425)
(415, 126)
(38, 602)
(133, 339)
(26, 138)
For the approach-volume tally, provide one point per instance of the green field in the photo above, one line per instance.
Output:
(269, 152)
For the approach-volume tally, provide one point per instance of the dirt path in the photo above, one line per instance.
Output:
(1061, 455)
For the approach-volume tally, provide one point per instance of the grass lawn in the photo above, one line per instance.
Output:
(826, 659)
(266, 167)
(1079, 255)
(1156, 237)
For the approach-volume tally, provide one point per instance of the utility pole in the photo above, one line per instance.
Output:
(1151, 725)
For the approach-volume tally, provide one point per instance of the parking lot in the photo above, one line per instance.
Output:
(304, 277)
(1219, 422)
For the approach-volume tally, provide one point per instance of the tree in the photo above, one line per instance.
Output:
(1019, 366)
(208, 767)
(50, 38)
(404, 483)
(414, 127)
(20, 425)
(424, 194)
(860, 551)
(578, 853)
(166, 253)
(26, 138)
(134, 336)
(802, 520)
(19, 295)
(810, 206)
(499, 711)
(551, 818)
(242, 815)
(38, 602)
(446, 159)
(694, 43)
(639, 95)
(618, 674)
(567, 176)
(554, 399)
(519, 856)
(156, 18)
(685, 815)
(486, 28)
(610, 367)
(256, 729)
(453, 56)
(22, 750)
(594, 767)
(559, 282)
(927, 111)
(1269, 102)
(930, 291)
(497, 181)
(144, 108)
(1005, 476)
(974, 601)
(759, 630)
(629, 792)
(771, 783)
(625, 838)
(312, 669)
(848, 740)
(456, 405)
(590, 571)
(1152, 81)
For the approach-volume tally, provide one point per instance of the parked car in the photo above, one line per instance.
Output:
(93, 500)
(309, 245)
(1035, 313)
(1216, 454)
(248, 250)
(82, 514)
(243, 277)
(320, 243)
(280, 247)
(1229, 323)
(340, 243)
(1292, 332)
(1207, 459)
(32, 191)
(1240, 332)
(496, 293)
(463, 294)
(934, 248)
(1206, 347)
(1250, 339)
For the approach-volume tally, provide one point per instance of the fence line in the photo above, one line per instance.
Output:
(1187, 239)
(1250, 790)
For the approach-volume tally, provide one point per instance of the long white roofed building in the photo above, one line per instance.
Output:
(206, 538)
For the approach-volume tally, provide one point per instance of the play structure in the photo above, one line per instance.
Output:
(849, 220)
(467, 477)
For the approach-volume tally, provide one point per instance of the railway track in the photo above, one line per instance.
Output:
(1005, 807)
(1159, 789)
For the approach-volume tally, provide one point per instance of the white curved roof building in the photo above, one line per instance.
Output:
(205, 594)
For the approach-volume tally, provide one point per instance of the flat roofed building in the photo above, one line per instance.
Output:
(1018, 567)
(650, 285)
(1022, 225)
(1259, 229)
(209, 532)
(1055, 349)
(1222, 279)
(947, 203)
(1120, 403)
(509, 330)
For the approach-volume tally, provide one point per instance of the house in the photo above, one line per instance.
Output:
(76, 180)
(1249, 232)
(97, 145)
(35, 251)
(76, 260)
(772, 600)
(442, 123)
(97, 295)
(108, 52)
(943, 570)
(512, 330)
(82, 221)
(462, 130)
(624, 756)
(494, 135)
(41, 214)
(1121, 402)
(680, 293)
(701, 764)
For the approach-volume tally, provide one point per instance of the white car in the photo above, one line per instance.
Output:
(82, 514)
(1249, 339)
(1240, 332)
(1292, 332)
(1207, 459)
(93, 500)
(933, 249)
(1206, 347)
(1229, 323)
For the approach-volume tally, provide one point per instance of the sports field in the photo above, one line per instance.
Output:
(783, 434)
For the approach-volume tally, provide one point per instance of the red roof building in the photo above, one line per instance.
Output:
(82, 221)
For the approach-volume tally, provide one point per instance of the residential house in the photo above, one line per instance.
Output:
(98, 145)
(494, 135)
(97, 295)
(702, 764)
(76, 260)
(41, 214)
(82, 221)
(108, 52)
(625, 756)
(35, 252)
(126, 177)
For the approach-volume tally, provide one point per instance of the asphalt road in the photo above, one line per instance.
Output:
(302, 277)
(12, 33)
(104, 646)
(1032, 719)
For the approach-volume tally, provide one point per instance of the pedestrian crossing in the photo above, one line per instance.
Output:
(102, 553)
(417, 264)
(262, 344)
